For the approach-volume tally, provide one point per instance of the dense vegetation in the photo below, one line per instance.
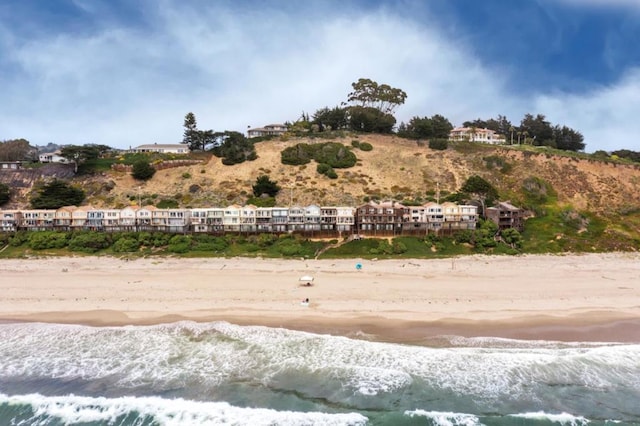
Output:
(333, 154)
(56, 194)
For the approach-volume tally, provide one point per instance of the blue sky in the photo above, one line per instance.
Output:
(123, 73)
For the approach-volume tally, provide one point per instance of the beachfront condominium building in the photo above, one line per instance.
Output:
(384, 218)
(381, 218)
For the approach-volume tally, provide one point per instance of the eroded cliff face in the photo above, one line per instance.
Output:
(21, 181)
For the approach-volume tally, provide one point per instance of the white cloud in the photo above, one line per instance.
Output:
(127, 86)
(607, 117)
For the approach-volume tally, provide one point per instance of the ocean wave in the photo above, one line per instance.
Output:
(43, 410)
(201, 357)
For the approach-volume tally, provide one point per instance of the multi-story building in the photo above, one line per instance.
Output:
(506, 215)
(10, 220)
(386, 218)
(473, 134)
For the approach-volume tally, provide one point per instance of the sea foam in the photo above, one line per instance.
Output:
(175, 412)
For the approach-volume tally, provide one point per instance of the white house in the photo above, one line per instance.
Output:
(52, 157)
(473, 134)
(167, 148)
(268, 130)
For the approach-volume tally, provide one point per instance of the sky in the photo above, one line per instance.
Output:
(126, 72)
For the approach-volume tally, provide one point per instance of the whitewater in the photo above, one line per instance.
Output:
(189, 373)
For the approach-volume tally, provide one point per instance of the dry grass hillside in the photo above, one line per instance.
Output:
(396, 168)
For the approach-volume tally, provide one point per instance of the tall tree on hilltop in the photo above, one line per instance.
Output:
(367, 93)
(196, 139)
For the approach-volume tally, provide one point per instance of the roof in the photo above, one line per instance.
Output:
(163, 145)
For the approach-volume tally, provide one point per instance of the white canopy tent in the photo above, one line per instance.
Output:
(306, 280)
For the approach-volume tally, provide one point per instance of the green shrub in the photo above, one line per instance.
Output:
(332, 153)
(89, 242)
(142, 170)
(266, 240)
(167, 203)
(366, 146)
(160, 239)
(179, 244)
(322, 168)
(331, 174)
(18, 239)
(298, 154)
(126, 245)
(439, 144)
(355, 143)
(186, 175)
(48, 240)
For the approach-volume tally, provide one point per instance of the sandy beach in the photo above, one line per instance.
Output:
(590, 297)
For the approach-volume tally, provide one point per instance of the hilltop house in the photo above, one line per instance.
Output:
(167, 148)
(268, 130)
(473, 134)
(52, 157)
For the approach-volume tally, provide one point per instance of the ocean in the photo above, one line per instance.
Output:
(189, 373)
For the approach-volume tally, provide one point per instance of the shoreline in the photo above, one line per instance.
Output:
(586, 297)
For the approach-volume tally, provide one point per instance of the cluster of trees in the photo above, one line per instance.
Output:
(533, 130)
(15, 150)
(233, 147)
(369, 108)
(56, 194)
(435, 127)
(626, 153)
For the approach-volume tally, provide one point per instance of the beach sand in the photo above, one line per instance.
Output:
(590, 297)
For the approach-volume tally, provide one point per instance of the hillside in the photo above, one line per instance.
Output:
(396, 168)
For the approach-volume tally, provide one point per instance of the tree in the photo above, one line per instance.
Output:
(14, 150)
(538, 129)
(264, 185)
(368, 93)
(512, 237)
(437, 127)
(370, 120)
(441, 127)
(190, 129)
(233, 148)
(4, 193)
(142, 170)
(79, 154)
(331, 119)
(568, 139)
(481, 189)
(56, 194)
(196, 139)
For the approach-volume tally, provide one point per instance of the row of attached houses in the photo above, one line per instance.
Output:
(386, 218)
